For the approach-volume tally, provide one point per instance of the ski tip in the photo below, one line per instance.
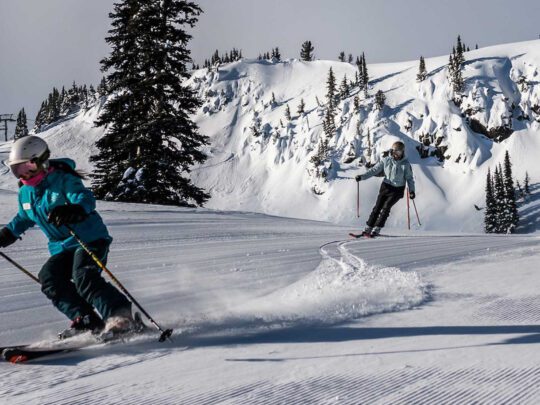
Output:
(18, 358)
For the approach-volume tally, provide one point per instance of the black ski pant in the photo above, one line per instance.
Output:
(388, 196)
(73, 282)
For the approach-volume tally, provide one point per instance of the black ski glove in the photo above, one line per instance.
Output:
(412, 195)
(67, 214)
(6, 237)
(358, 178)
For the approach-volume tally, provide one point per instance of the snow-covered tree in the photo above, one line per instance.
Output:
(21, 127)
(288, 113)
(490, 213)
(301, 107)
(511, 212)
(380, 99)
(150, 139)
(276, 54)
(331, 91)
(306, 53)
(422, 72)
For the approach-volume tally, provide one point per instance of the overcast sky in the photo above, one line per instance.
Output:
(46, 43)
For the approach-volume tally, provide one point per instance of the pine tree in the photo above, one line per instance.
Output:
(344, 88)
(331, 91)
(40, 117)
(526, 184)
(306, 53)
(329, 125)
(490, 220)
(500, 200)
(511, 212)
(422, 72)
(150, 139)
(365, 75)
(341, 56)
(276, 54)
(356, 103)
(380, 100)
(21, 127)
(288, 113)
(273, 101)
(350, 59)
(301, 107)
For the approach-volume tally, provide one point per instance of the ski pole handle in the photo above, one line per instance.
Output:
(21, 268)
(165, 334)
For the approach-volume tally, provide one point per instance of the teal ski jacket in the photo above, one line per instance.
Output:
(396, 172)
(59, 187)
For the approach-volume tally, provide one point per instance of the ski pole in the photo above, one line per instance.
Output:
(415, 210)
(21, 268)
(357, 199)
(165, 334)
(408, 212)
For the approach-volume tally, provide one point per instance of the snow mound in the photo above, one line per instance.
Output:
(338, 290)
(346, 288)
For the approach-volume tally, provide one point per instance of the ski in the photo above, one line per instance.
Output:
(23, 353)
(361, 235)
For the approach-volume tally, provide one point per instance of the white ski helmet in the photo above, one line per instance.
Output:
(29, 149)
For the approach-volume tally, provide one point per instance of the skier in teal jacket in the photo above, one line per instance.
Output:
(52, 195)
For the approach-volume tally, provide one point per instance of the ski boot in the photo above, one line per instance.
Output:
(81, 324)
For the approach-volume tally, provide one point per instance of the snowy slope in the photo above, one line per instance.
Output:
(272, 172)
(273, 310)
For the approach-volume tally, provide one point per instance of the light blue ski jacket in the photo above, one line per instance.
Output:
(58, 188)
(396, 172)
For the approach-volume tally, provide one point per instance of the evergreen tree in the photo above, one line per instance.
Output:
(273, 102)
(288, 113)
(306, 53)
(490, 214)
(500, 201)
(216, 59)
(344, 88)
(380, 100)
(526, 184)
(511, 212)
(365, 75)
(21, 127)
(150, 139)
(276, 54)
(350, 59)
(356, 103)
(331, 91)
(341, 56)
(422, 72)
(301, 107)
(40, 116)
(329, 125)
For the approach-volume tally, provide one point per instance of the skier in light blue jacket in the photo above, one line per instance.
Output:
(52, 195)
(397, 172)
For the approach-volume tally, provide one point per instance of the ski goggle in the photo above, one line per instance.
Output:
(24, 169)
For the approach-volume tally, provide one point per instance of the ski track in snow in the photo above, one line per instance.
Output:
(271, 312)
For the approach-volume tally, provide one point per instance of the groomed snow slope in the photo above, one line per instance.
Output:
(272, 311)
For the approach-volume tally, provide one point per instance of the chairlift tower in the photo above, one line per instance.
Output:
(5, 118)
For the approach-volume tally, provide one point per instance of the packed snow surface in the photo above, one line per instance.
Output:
(276, 310)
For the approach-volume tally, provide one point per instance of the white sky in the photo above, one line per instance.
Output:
(53, 42)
